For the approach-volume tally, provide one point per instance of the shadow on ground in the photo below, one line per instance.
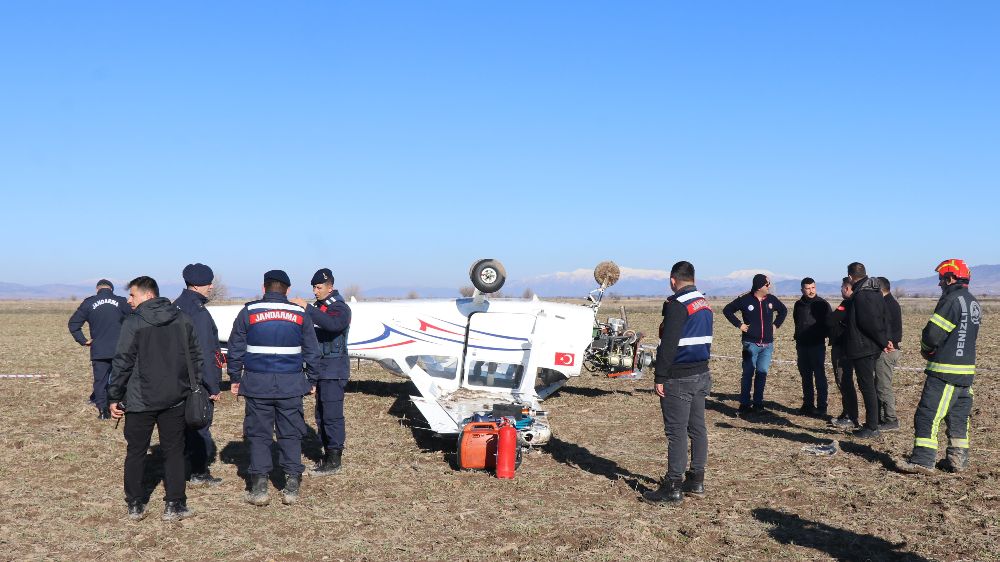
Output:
(153, 473)
(589, 392)
(385, 389)
(404, 409)
(580, 457)
(768, 404)
(775, 433)
(840, 544)
(869, 454)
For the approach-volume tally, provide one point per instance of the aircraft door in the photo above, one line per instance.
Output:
(497, 346)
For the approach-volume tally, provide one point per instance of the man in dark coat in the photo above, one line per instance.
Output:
(198, 444)
(156, 358)
(104, 312)
(809, 314)
(843, 369)
(867, 338)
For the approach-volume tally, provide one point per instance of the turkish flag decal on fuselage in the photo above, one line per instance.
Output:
(565, 359)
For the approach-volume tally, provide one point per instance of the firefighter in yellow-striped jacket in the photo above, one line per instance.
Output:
(948, 342)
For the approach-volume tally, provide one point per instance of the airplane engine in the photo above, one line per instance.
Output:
(617, 350)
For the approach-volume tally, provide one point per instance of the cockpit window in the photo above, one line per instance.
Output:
(496, 375)
(437, 366)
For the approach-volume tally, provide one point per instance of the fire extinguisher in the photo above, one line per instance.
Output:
(506, 450)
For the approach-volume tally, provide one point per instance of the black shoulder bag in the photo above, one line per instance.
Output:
(196, 404)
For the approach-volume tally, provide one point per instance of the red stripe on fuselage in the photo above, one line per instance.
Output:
(383, 346)
(425, 325)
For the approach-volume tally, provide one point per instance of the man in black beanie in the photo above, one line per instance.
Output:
(758, 308)
(198, 445)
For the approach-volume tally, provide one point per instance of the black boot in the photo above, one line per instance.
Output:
(957, 459)
(176, 510)
(204, 479)
(257, 495)
(137, 510)
(669, 493)
(290, 493)
(329, 465)
(694, 484)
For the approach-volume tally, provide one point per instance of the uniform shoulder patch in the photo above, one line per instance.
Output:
(696, 305)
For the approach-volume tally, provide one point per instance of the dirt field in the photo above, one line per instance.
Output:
(61, 472)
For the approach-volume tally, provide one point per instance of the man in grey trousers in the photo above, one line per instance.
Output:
(682, 382)
(886, 363)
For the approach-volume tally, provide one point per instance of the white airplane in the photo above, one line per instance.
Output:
(469, 356)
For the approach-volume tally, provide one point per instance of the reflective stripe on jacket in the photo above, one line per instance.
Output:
(949, 338)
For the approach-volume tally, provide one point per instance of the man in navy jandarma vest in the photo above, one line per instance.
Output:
(948, 342)
(682, 381)
(332, 318)
(270, 341)
(104, 312)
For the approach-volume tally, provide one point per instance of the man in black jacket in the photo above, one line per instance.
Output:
(809, 315)
(104, 312)
(843, 369)
(198, 445)
(157, 355)
(758, 308)
(887, 360)
(867, 338)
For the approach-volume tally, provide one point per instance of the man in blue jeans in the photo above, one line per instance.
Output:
(758, 308)
(682, 382)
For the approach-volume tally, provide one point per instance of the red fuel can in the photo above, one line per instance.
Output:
(477, 446)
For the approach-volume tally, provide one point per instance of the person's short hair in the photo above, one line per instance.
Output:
(146, 284)
(884, 284)
(807, 281)
(275, 286)
(682, 271)
(845, 281)
(856, 270)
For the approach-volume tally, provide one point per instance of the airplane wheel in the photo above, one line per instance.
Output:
(487, 275)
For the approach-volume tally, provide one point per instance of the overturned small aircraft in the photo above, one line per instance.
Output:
(472, 357)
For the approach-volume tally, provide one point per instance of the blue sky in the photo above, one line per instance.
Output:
(395, 142)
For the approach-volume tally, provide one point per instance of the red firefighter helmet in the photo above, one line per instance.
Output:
(956, 267)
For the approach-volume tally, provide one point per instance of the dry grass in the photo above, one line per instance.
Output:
(577, 498)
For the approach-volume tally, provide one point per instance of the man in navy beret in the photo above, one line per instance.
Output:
(332, 319)
(270, 340)
(198, 444)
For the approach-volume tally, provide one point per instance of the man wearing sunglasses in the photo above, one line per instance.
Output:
(758, 308)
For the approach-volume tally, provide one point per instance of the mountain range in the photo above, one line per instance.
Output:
(577, 283)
